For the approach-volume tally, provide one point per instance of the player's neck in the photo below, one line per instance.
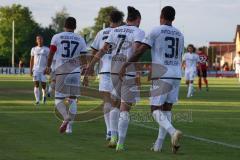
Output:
(114, 25)
(132, 24)
(69, 30)
(167, 23)
(40, 45)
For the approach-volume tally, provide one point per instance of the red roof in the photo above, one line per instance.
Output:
(221, 43)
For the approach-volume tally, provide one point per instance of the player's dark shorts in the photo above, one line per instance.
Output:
(204, 73)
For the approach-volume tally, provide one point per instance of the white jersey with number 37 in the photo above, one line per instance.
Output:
(167, 45)
(69, 46)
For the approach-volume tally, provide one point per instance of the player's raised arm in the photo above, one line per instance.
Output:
(98, 56)
(135, 57)
(139, 49)
(53, 49)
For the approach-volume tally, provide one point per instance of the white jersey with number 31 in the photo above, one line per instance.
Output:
(167, 45)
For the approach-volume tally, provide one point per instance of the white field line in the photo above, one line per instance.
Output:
(194, 137)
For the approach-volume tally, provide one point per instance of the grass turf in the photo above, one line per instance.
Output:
(31, 133)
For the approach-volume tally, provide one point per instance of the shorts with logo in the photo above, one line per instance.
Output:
(125, 90)
(190, 74)
(164, 91)
(105, 82)
(67, 85)
(39, 76)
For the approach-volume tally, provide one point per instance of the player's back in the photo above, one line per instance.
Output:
(167, 49)
(122, 40)
(69, 47)
(98, 43)
(203, 59)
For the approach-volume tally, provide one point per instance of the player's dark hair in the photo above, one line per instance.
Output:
(192, 46)
(116, 16)
(168, 13)
(39, 35)
(133, 14)
(70, 23)
(200, 49)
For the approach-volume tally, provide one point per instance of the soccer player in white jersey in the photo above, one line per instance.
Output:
(105, 84)
(236, 65)
(68, 47)
(123, 41)
(38, 64)
(190, 62)
(167, 45)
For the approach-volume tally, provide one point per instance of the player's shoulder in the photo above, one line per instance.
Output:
(105, 31)
(45, 48)
(33, 48)
(140, 30)
(57, 35)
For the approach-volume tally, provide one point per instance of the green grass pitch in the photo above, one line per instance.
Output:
(30, 133)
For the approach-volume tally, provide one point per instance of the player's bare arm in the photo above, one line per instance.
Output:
(183, 64)
(49, 62)
(97, 57)
(31, 65)
(84, 59)
(139, 50)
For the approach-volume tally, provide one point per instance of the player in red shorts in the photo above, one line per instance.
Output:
(202, 73)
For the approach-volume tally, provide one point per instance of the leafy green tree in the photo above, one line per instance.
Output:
(59, 19)
(87, 34)
(25, 28)
(102, 19)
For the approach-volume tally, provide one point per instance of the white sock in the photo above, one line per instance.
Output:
(61, 107)
(43, 92)
(162, 119)
(72, 108)
(106, 110)
(190, 89)
(163, 132)
(69, 126)
(36, 94)
(123, 126)
(49, 89)
(114, 118)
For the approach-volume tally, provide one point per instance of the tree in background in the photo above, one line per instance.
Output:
(87, 34)
(25, 28)
(102, 19)
(59, 19)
